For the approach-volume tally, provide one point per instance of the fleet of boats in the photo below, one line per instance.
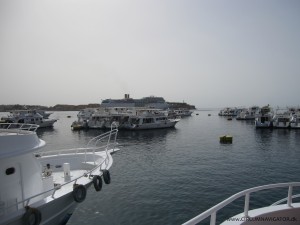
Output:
(38, 117)
(130, 118)
(40, 187)
(132, 114)
(266, 116)
(45, 187)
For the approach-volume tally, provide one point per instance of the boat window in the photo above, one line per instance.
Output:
(10, 171)
(148, 120)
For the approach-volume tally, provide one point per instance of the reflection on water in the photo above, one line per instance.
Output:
(263, 138)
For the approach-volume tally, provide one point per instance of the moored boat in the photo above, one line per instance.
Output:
(248, 114)
(83, 117)
(79, 124)
(181, 112)
(29, 117)
(131, 118)
(265, 117)
(148, 119)
(45, 187)
(295, 119)
(282, 118)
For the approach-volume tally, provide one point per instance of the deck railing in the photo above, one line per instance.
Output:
(92, 146)
(212, 212)
(19, 126)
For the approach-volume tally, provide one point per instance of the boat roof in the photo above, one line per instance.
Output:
(17, 139)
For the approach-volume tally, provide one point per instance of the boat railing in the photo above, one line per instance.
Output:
(19, 126)
(212, 212)
(285, 200)
(91, 147)
(112, 134)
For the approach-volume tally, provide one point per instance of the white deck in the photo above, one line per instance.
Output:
(278, 214)
(290, 209)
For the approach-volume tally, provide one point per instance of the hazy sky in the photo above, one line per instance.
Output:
(208, 53)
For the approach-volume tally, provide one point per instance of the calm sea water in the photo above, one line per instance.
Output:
(169, 176)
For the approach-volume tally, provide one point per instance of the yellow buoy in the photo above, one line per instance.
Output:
(226, 139)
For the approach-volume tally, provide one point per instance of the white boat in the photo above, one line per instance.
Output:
(182, 112)
(229, 112)
(85, 114)
(103, 117)
(29, 117)
(265, 118)
(79, 124)
(282, 212)
(83, 117)
(45, 187)
(148, 119)
(295, 119)
(98, 121)
(132, 118)
(224, 112)
(282, 118)
(248, 114)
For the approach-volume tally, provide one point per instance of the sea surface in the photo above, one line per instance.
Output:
(168, 176)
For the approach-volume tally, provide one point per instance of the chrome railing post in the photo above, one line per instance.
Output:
(246, 207)
(289, 199)
(213, 217)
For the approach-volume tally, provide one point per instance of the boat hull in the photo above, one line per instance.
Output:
(151, 126)
(281, 125)
(56, 212)
(259, 124)
(47, 123)
(295, 125)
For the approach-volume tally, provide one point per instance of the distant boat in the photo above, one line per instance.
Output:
(149, 119)
(248, 114)
(181, 112)
(265, 117)
(83, 117)
(228, 112)
(295, 119)
(132, 118)
(29, 117)
(282, 118)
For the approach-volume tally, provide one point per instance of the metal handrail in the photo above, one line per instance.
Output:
(212, 212)
(285, 199)
(92, 147)
(19, 126)
(26, 201)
